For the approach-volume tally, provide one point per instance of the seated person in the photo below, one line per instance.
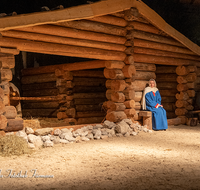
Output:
(151, 101)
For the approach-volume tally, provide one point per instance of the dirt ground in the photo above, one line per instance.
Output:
(160, 160)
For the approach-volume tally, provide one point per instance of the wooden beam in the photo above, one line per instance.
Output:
(61, 49)
(62, 40)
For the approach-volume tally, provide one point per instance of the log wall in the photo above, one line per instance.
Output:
(8, 114)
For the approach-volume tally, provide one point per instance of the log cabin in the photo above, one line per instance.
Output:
(125, 42)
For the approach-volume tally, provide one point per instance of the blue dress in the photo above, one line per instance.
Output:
(159, 118)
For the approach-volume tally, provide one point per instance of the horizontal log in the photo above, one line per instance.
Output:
(181, 79)
(129, 94)
(169, 106)
(87, 83)
(117, 97)
(129, 60)
(168, 99)
(3, 122)
(130, 112)
(90, 120)
(180, 111)
(6, 75)
(113, 73)
(44, 92)
(161, 46)
(84, 101)
(85, 79)
(12, 51)
(39, 113)
(149, 51)
(62, 115)
(162, 60)
(142, 75)
(138, 105)
(166, 85)
(191, 93)
(68, 66)
(165, 69)
(88, 95)
(68, 104)
(144, 27)
(145, 67)
(71, 33)
(138, 96)
(88, 73)
(190, 107)
(10, 112)
(44, 98)
(129, 104)
(38, 86)
(7, 62)
(167, 93)
(94, 27)
(63, 40)
(70, 121)
(153, 38)
(131, 14)
(182, 70)
(116, 116)
(86, 89)
(116, 85)
(136, 117)
(174, 121)
(42, 78)
(181, 104)
(166, 77)
(38, 105)
(109, 19)
(171, 114)
(83, 108)
(114, 64)
(191, 85)
(108, 93)
(139, 85)
(62, 49)
(129, 71)
(182, 96)
(182, 87)
(60, 82)
(71, 112)
(90, 114)
(14, 125)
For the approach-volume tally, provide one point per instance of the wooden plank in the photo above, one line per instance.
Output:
(145, 113)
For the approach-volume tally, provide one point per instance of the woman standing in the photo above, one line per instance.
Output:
(152, 102)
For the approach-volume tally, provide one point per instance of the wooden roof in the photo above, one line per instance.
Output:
(93, 10)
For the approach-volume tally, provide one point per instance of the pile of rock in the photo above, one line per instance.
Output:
(47, 137)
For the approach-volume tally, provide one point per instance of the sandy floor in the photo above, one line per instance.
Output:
(160, 160)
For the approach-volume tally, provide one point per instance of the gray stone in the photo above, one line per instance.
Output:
(31, 145)
(67, 136)
(80, 132)
(104, 137)
(145, 130)
(63, 141)
(78, 139)
(29, 130)
(45, 138)
(150, 131)
(48, 143)
(84, 129)
(85, 139)
(43, 132)
(65, 130)
(127, 134)
(90, 136)
(104, 131)
(134, 133)
(128, 121)
(97, 134)
(22, 134)
(56, 140)
(119, 135)
(90, 127)
(52, 137)
(109, 124)
(122, 127)
(57, 132)
(36, 140)
(98, 126)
